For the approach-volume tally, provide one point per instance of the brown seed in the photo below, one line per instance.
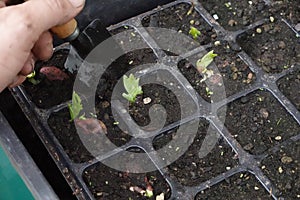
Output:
(264, 113)
(232, 22)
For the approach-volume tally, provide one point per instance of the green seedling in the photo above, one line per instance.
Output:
(208, 92)
(148, 193)
(132, 87)
(75, 107)
(194, 32)
(203, 63)
(31, 79)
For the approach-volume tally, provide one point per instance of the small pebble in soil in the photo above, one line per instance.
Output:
(278, 138)
(272, 19)
(217, 43)
(286, 159)
(215, 16)
(244, 99)
(280, 170)
(248, 147)
(147, 100)
(258, 30)
(105, 104)
(282, 45)
(160, 197)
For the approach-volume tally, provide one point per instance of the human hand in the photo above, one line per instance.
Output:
(25, 37)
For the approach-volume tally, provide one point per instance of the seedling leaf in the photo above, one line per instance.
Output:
(132, 87)
(75, 107)
(205, 61)
(194, 32)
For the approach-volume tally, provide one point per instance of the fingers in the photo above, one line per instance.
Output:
(21, 27)
(28, 66)
(43, 48)
(17, 81)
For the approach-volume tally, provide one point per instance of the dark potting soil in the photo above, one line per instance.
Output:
(287, 9)
(274, 49)
(47, 93)
(239, 186)
(107, 183)
(179, 18)
(289, 86)
(193, 167)
(283, 168)
(235, 15)
(230, 74)
(262, 124)
(158, 95)
(66, 133)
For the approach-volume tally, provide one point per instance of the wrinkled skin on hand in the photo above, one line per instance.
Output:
(25, 37)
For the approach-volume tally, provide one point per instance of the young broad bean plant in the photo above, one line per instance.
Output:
(132, 88)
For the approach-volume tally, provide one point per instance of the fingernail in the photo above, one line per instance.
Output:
(77, 3)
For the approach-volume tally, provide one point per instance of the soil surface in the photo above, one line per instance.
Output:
(235, 15)
(158, 95)
(190, 169)
(49, 93)
(273, 46)
(179, 18)
(240, 186)
(262, 124)
(107, 183)
(283, 168)
(289, 86)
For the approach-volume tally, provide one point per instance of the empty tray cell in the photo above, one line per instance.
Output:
(181, 18)
(289, 86)
(289, 10)
(129, 39)
(258, 121)
(235, 15)
(272, 46)
(107, 183)
(207, 156)
(52, 84)
(231, 74)
(240, 186)
(283, 168)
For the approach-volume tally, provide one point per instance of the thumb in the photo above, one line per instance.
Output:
(45, 14)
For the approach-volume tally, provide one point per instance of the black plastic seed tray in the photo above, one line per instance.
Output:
(234, 134)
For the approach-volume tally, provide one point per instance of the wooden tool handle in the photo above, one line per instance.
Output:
(67, 31)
